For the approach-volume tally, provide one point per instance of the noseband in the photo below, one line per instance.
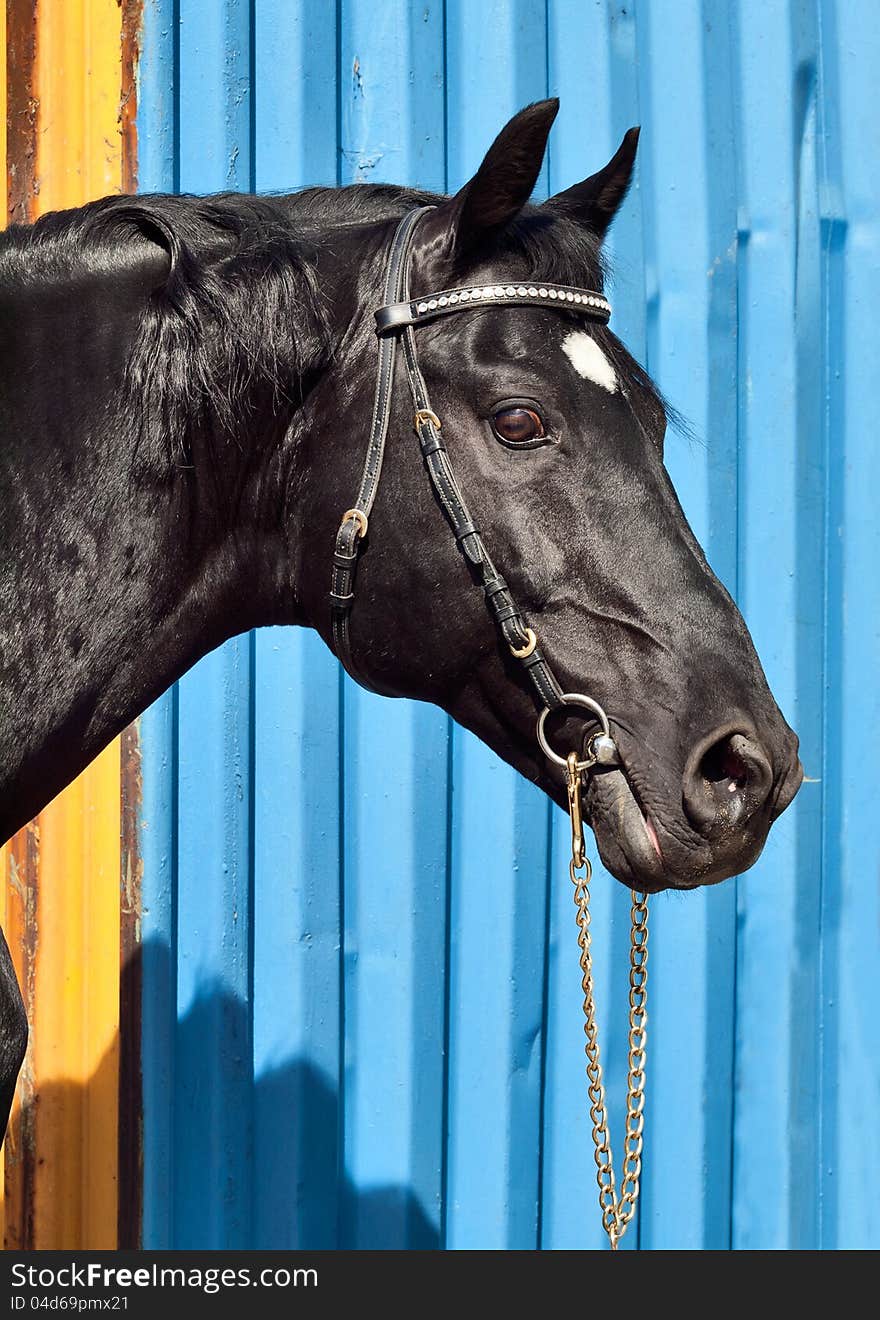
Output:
(396, 322)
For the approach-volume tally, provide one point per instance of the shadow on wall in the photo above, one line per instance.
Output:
(229, 1160)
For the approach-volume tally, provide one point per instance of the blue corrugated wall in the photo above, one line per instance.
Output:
(361, 995)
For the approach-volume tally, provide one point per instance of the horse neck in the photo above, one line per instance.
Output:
(120, 568)
(114, 579)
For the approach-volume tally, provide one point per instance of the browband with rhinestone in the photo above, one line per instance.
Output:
(396, 316)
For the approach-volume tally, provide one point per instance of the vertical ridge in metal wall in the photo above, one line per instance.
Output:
(297, 956)
(781, 576)
(849, 1151)
(157, 171)
(593, 118)
(499, 834)
(213, 1065)
(690, 226)
(391, 116)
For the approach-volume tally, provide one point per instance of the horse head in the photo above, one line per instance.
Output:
(556, 437)
(185, 410)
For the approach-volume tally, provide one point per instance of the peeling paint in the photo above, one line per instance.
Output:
(130, 1201)
(363, 164)
(132, 25)
(21, 109)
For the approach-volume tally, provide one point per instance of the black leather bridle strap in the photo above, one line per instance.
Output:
(396, 319)
(355, 520)
(520, 640)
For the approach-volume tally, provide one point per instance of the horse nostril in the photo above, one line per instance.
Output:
(725, 765)
(727, 779)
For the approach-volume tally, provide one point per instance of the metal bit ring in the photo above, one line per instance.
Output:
(609, 749)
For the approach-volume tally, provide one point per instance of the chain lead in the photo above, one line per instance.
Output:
(617, 1211)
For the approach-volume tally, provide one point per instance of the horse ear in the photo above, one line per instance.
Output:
(499, 189)
(595, 202)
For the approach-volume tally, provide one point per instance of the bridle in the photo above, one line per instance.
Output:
(396, 321)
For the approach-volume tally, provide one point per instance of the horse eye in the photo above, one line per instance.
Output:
(517, 426)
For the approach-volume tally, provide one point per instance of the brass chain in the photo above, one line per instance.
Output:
(617, 1210)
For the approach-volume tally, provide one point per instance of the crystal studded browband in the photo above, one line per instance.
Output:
(396, 316)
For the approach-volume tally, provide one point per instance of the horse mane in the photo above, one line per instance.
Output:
(239, 309)
(240, 314)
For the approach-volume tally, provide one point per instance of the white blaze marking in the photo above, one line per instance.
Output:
(588, 360)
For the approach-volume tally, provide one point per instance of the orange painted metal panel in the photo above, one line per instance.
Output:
(62, 874)
(78, 85)
(76, 1017)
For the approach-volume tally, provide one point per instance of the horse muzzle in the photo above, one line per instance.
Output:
(711, 825)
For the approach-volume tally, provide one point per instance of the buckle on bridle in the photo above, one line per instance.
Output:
(358, 516)
(522, 651)
(425, 415)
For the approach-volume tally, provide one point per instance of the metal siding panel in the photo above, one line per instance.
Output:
(158, 842)
(608, 103)
(498, 822)
(58, 1043)
(296, 954)
(78, 75)
(212, 1118)
(394, 754)
(75, 1021)
(296, 943)
(850, 185)
(499, 867)
(775, 1146)
(213, 1077)
(157, 171)
(391, 93)
(690, 230)
(214, 127)
(394, 973)
(156, 75)
(294, 92)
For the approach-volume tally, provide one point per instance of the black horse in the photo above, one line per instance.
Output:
(186, 392)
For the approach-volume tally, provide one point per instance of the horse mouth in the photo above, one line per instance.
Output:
(638, 854)
(646, 850)
(626, 836)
